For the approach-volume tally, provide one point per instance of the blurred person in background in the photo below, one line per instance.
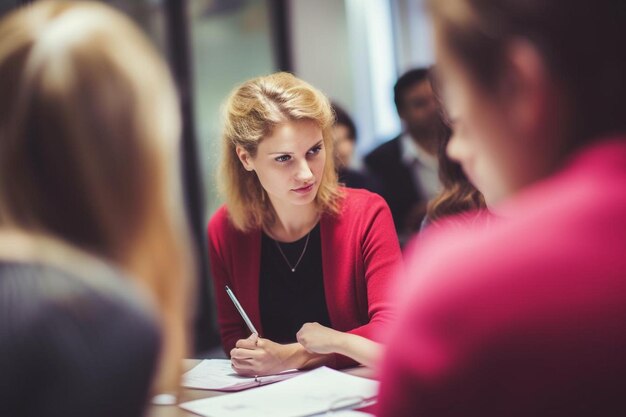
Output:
(345, 135)
(524, 317)
(458, 196)
(93, 243)
(406, 166)
(293, 245)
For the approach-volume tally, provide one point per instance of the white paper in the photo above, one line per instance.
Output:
(217, 374)
(311, 393)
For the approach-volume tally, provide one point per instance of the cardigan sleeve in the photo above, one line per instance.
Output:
(381, 260)
(229, 321)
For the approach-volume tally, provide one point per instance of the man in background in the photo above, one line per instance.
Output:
(406, 166)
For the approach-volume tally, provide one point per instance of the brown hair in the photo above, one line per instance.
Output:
(252, 111)
(458, 194)
(88, 149)
(578, 39)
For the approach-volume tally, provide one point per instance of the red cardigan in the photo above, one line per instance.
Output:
(360, 254)
(523, 317)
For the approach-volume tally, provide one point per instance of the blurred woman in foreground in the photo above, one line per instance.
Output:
(524, 317)
(93, 240)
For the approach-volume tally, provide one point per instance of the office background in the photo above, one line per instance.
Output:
(353, 50)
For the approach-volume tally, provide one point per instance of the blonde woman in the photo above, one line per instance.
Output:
(292, 245)
(88, 157)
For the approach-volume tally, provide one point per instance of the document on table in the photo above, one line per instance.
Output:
(311, 393)
(218, 375)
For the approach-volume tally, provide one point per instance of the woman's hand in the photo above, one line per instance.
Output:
(318, 339)
(257, 356)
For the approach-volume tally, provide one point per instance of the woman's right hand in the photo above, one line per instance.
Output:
(257, 356)
(318, 339)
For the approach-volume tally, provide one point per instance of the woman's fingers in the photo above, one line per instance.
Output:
(241, 363)
(243, 367)
(247, 366)
(249, 343)
(301, 338)
(257, 356)
(304, 331)
(240, 353)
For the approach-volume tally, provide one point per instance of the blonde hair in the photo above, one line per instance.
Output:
(89, 130)
(252, 111)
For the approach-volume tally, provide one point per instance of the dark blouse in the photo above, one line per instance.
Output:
(289, 299)
(73, 345)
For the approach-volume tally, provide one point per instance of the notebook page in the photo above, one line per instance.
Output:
(311, 393)
(217, 374)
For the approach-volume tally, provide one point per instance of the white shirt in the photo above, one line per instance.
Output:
(423, 166)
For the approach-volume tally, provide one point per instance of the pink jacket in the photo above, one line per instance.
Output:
(524, 317)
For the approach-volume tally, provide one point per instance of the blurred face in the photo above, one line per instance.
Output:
(289, 163)
(420, 111)
(482, 140)
(344, 145)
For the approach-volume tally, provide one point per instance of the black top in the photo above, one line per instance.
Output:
(353, 178)
(73, 346)
(289, 299)
(396, 178)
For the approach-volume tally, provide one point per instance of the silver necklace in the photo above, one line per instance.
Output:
(293, 268)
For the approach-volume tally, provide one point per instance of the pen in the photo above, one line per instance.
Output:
(241, 311)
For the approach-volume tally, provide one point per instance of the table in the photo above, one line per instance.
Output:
(188, 394)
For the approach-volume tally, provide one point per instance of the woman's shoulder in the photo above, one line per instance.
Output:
(359, 209)
(360, 197)
(221, 229)
(67, 325)
(220, 225)
(219, 219)
(357, 201)
(36, 291)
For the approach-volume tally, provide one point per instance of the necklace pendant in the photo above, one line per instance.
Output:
(293, 269)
